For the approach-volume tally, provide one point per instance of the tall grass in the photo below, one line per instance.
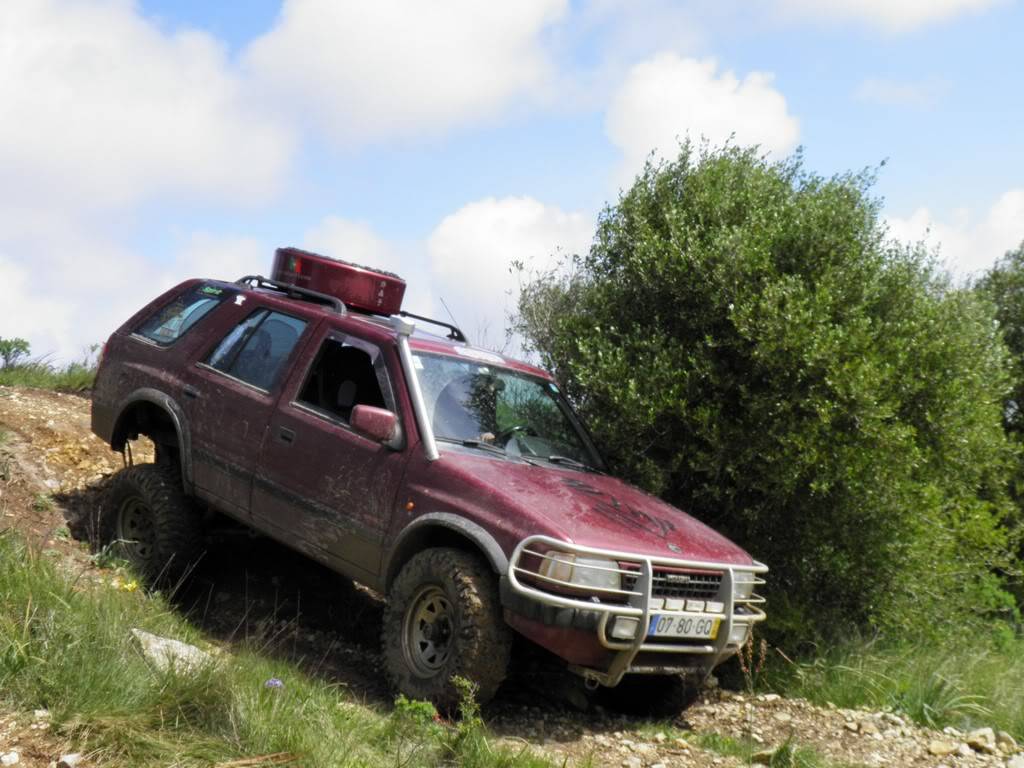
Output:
(66, 645)
(963, 684)
(42, 374)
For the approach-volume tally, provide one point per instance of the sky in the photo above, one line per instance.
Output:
(146, 142)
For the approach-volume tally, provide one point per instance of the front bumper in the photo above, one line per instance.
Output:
(612, 613)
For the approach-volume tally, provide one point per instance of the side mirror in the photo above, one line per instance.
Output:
(378, 424)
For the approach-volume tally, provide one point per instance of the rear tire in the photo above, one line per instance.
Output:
(150, 522)
(443, 619)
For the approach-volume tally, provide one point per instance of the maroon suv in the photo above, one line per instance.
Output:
(456, 481)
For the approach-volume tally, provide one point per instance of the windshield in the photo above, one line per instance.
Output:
(521, 415)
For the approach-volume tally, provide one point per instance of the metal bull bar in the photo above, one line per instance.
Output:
(637, 601)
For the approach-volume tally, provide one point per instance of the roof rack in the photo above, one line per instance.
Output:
(294, 292)
(453, 331)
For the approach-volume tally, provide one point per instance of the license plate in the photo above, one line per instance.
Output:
(686, 626)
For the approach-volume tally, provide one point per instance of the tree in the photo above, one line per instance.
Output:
(1004, 285)
(12, 351)
(746, 341)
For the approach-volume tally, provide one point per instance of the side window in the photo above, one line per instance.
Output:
(256, 348)
(346, 374)
(173, 320)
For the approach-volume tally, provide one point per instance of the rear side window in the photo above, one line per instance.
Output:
(256, 349)
(172, 321)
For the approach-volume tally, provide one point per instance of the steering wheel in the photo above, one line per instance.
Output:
(505, 435)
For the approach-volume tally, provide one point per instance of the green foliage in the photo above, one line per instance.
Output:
(66, 645)
(966, 684)
(1004, 285)
(12, 350)
(76, 376)
(745, 341)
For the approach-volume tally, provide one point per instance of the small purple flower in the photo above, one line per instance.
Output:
(273, 683)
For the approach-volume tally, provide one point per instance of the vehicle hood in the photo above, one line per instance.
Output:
(587, 508)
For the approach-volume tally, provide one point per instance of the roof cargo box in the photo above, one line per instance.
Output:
(364, 288)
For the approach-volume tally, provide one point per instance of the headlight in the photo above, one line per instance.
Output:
(582, 570)
(743, 585)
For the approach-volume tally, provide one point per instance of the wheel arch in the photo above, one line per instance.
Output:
(442, 529)
(150, 412)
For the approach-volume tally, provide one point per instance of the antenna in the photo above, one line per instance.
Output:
(445, 305)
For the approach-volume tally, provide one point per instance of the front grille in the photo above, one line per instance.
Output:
(696, 586)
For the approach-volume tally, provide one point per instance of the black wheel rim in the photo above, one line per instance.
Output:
(135, 532)
(428, 631)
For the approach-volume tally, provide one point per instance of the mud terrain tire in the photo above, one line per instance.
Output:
(443, 619)
(149, 521)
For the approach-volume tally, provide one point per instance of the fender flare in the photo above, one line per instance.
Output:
(472, 531)
(178, 418)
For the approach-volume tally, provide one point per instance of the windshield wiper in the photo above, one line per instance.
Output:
(475, 444)
(574, 463)
(487, 447)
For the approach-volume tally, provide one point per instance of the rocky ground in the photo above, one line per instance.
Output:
(52, 474)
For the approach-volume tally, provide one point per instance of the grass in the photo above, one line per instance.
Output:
(65, 645)
(41, 373)
(964, 685)
(787, 755)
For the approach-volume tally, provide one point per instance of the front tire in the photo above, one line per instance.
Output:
(150, 522)
(443, 619)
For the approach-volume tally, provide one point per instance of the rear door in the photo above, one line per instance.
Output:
(318, 480)
(229, 395)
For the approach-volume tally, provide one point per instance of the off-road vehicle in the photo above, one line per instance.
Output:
(456, 481)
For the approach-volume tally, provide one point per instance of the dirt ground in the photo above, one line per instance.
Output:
(52, 475)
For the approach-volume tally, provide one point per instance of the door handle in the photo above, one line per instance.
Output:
(286, 435)
(191, 392)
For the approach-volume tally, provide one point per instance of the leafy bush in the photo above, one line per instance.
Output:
(745, 341)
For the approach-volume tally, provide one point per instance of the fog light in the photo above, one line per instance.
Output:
(738, 635)
(624, 628)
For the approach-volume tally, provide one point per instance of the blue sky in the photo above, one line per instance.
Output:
(145, 142)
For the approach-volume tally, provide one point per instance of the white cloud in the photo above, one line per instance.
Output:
(373, 71)
(894, 93)
(68, 287)
(356, 242)
(890, 15)
(465, 261)
(668, 98)
(101, 108)
(471, 252)
(967, 245)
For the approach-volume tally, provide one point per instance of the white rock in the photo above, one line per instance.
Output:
(941, 747)
(69, 761)
(1006, 742)
(165, 653)
(783, 717)
(982, 740)
(964, 751)
(11, 758)
(769, 697)
(41, 714)
(1017, 761)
